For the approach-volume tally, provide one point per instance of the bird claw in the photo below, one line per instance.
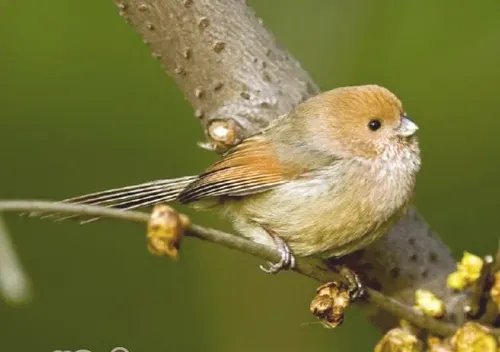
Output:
(286, 262)
(355, 287)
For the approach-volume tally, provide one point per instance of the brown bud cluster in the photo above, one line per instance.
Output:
(468, 271)
(165, 231)
(399, 340)
(429, 304)
(436, 344)
(330, 303)
(473, 337)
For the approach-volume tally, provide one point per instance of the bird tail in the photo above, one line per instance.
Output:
(126, 198)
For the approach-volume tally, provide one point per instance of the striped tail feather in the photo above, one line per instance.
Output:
(126, 198)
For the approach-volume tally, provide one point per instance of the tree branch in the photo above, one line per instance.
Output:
(232, 70)
(226, 63)
(314, 269)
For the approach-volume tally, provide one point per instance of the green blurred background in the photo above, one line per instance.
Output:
(84, 107)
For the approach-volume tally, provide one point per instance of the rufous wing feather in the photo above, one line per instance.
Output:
(251, 167)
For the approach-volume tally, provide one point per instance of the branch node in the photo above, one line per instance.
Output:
(219, 46)
(224, 133)
(143, 7)
(203, 23)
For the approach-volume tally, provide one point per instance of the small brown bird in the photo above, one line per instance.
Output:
(324, 180)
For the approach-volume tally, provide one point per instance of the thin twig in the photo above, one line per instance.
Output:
(311, 268)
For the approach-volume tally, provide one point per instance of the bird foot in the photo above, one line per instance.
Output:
(355, 287)
(286, 262)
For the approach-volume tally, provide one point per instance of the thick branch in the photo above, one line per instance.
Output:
(313, 269)
(223, 74)
(230, 67)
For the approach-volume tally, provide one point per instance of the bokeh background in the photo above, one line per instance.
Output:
(84, 107)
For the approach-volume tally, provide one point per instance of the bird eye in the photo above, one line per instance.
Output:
(374, 125)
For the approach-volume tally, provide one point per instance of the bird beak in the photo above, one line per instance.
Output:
(406, 128)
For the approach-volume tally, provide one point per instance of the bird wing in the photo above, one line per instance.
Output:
(250, 167)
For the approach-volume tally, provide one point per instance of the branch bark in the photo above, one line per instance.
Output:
(227, 64)
(231, 69)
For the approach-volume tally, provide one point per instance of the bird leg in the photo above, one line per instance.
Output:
(287, 260)
(354, 285)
